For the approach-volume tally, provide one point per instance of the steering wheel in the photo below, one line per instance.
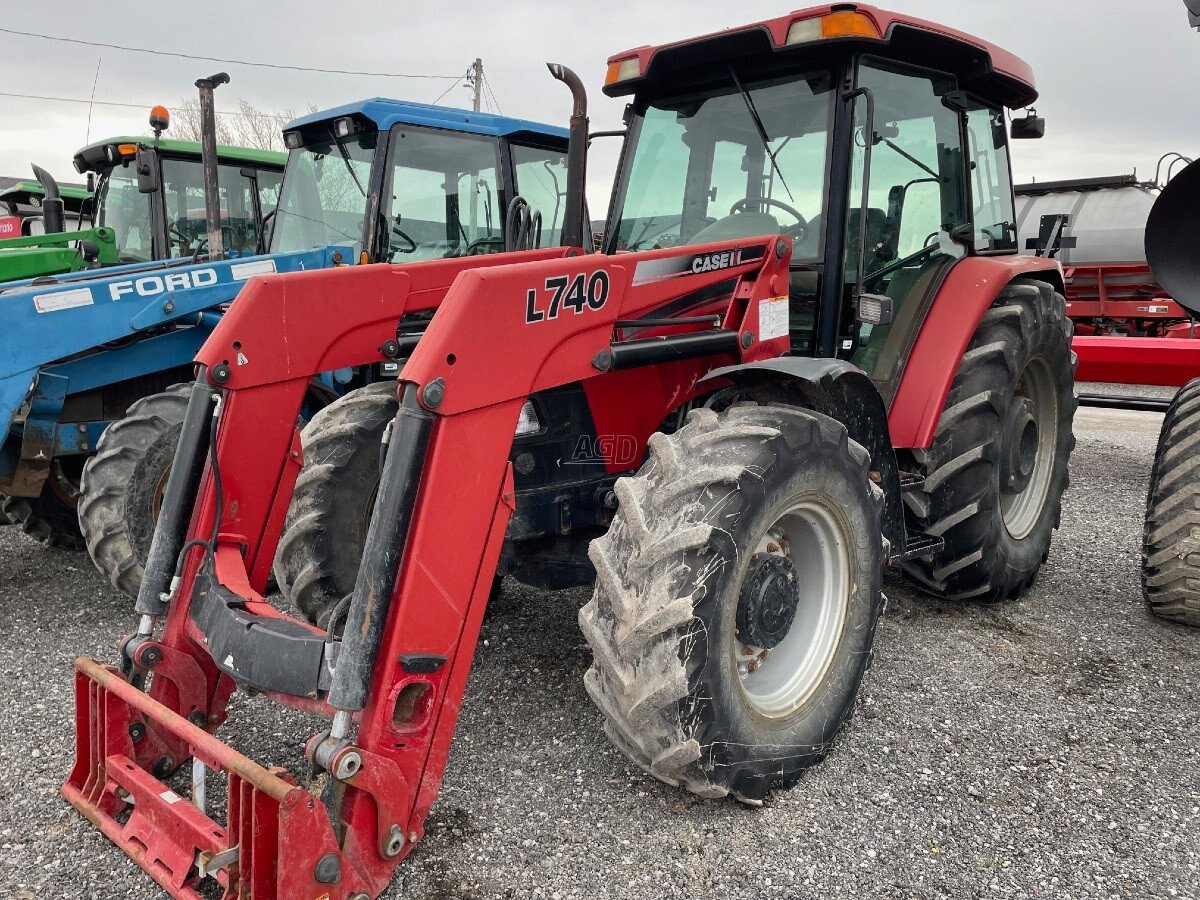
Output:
(483, 246)
(412, 245)
(798, 231)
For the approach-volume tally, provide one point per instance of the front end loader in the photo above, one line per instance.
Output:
(808, 351)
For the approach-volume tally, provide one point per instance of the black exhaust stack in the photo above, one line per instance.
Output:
(574, 226)
(208, 156)
(54, 218)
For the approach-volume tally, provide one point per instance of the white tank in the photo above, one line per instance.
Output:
(1107, 217)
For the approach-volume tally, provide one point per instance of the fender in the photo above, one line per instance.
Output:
(971, 287)
(842, 391)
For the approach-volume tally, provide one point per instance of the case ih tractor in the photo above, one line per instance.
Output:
(808, 350)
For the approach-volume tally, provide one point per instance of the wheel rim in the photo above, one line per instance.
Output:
(777, 681)
(1029, 443)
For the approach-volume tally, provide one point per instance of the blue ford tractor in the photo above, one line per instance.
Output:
(375, 181)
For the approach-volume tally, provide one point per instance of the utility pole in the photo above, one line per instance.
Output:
(477, 82)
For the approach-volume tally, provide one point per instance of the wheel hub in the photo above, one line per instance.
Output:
(767, 606)
(1021, 445)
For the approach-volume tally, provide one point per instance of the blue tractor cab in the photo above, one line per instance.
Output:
(376, 181)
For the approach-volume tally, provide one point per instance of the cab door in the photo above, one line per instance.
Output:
(909, 158)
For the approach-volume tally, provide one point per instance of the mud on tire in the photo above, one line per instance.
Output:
(662, 620)
(997, 532)
(1170, 545)
(326, 526)
(122, 485)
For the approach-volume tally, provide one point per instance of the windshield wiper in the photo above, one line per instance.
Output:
(349, 168)
(762, 131)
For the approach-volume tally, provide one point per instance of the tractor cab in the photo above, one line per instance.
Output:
(151, 194)
(406, 182)
(874, 141)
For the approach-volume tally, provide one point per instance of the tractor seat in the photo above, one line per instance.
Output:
(738, 225)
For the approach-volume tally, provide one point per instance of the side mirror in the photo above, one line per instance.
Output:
(91, 182)
(147, 171)
(1031, 128)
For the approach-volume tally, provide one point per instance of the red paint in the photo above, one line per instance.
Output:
(1105, 297)
(971, 287)
(1165, 362)
(491, 359)
(10, 226)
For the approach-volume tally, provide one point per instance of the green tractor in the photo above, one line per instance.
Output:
(144, 202)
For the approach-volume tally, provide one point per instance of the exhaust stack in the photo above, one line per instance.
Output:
(208, 143)
(574, 226)
(54, 218)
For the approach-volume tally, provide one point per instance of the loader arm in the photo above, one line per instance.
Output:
(500, 333)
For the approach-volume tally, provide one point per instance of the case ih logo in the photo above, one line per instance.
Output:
(715, 261)
(150, 285)
(10, 226)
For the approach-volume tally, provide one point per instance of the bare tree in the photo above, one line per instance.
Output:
(250, 126)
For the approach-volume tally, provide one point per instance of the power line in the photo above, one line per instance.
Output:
(487, 86)
(220, 112)
(218, 59)
(448, 90)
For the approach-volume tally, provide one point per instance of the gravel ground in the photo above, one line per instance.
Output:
(1049, 748)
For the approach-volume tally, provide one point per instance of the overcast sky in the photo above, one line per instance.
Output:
(1116, 77)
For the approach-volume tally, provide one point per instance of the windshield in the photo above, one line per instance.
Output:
(187, 221)
(126, 211)
(324, 200)
(746, 159)
(445, 196)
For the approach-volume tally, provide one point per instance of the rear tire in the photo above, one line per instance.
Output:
(670, 673)
(123, 483)
(1171, 542)
(997, 470)
(325, 531)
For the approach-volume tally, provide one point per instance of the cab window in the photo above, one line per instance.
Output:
(445, 196)
(183, 199)
(542, 180)
(991, 180)
(745, 159)
(915, 206)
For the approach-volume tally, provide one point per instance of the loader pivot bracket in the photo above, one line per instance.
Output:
(421, 663)
(261, 652)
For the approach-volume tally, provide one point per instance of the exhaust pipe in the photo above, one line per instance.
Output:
(54, 218)
(208, 156)
(574, 227)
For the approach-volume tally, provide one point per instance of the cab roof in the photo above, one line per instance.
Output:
(93, 155)
(24, 190)
(385, 113)
(981, 67)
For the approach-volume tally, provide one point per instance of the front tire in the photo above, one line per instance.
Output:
(733, 519)
(325, 531)
(123, 485)
(997, 469)
(1170, 547)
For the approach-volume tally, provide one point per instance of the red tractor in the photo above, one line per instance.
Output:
(807, 351)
